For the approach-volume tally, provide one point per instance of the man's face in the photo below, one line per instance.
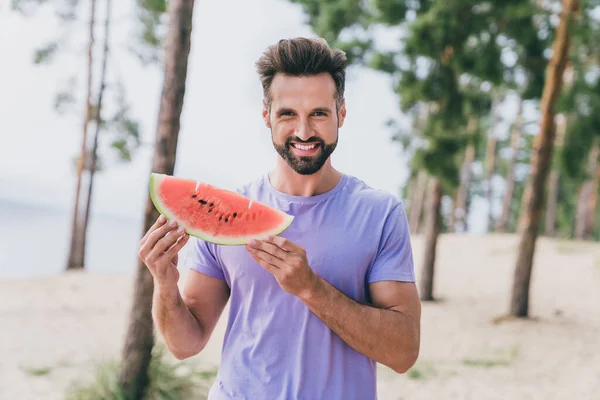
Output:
(303, 120)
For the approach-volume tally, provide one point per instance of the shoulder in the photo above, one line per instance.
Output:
(251, 188)
(376, 200)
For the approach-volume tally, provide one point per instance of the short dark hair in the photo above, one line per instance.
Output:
(302, 57)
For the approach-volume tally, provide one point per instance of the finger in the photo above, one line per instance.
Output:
(268, 266)
(266, 257)
(283, 243)
(159, 222)
(174, 249)
(270, 248)
(167, 241)
(158, 234)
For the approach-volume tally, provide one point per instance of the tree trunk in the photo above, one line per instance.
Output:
(515, 138)
(540, 165)
(461, 208)
(98, 119)
(76, 259)
(452, 217)
(593, 200)
(432, 231)
(410, 195)
(137, 350)
(553, 184)
(490, 160)
(490, 167)
(587, 198)
(416, 206)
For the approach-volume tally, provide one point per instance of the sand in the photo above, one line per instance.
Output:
(54, 330)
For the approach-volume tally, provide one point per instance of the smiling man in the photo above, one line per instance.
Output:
(313, 310)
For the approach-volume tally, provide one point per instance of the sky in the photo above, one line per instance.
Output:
(223, 140)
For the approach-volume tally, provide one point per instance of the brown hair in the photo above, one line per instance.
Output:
(302, 57)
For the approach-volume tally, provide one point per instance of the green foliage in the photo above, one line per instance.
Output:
(123, 130)
(120, 129)
(45, 53)
(529, 34)
(328, 19)
(450, 57)
(65, 10)
(150, 24)
(581, 103)
(167, 382)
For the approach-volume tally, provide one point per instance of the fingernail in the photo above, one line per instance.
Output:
(161, 218)
(173, 223)
(252, 242)
(180, 230)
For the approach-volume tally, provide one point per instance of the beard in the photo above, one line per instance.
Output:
(305, 165)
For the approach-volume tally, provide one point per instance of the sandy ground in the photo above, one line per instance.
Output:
(60, 327)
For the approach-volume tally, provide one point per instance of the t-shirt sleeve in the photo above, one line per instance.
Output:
(394, 259)
(201, 256)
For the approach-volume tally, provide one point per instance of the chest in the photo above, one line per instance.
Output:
(339, 250)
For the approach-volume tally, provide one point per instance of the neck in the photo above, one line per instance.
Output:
(286, 180)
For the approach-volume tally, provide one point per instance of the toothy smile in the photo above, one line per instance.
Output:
(304, 147)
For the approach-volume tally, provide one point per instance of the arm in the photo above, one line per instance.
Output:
(187, 320)
(388, 332)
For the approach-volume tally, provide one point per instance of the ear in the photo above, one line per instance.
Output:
(342, 113)
(266, 115)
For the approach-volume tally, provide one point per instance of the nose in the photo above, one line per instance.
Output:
(303, 130)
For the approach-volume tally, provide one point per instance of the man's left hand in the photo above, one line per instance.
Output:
(287, 262)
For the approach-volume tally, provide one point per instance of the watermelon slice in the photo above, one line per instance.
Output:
(213, 214)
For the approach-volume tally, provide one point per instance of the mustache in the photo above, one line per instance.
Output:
(310, 140)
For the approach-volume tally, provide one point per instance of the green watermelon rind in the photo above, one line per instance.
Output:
(156, 178)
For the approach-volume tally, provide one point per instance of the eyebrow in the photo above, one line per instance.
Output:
(320, 109)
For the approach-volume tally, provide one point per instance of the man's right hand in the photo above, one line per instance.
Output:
(159, 249)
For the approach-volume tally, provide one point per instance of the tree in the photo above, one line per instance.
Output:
(588, 197)
(121, 131)
(76, 258)
(577, 157)
(99, 123)
(540, 163)
(139, 341)
(515, 139)
(554, 182)
(447, 62)
(490, 162)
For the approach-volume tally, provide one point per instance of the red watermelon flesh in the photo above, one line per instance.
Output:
(213, 214)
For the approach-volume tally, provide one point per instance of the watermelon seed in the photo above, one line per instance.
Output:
(234, 215)
(202, 201)
(210, 210)
(226, 219)
(194, 196)
(211, 204)
(220, 218)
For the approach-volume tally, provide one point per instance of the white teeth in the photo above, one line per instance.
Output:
(304, 147)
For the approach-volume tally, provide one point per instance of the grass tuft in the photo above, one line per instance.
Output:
(43, 371)
(168, 381)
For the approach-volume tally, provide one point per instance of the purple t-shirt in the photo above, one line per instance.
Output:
(274, 346)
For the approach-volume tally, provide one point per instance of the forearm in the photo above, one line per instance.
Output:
(387, 336)
(181, 330)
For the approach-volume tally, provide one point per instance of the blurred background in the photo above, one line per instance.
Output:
(454, 107)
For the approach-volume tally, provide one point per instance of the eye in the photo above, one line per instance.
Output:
(320, 114)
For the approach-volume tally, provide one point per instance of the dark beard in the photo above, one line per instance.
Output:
(305, 165)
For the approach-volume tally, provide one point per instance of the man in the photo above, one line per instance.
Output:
(314, 309)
